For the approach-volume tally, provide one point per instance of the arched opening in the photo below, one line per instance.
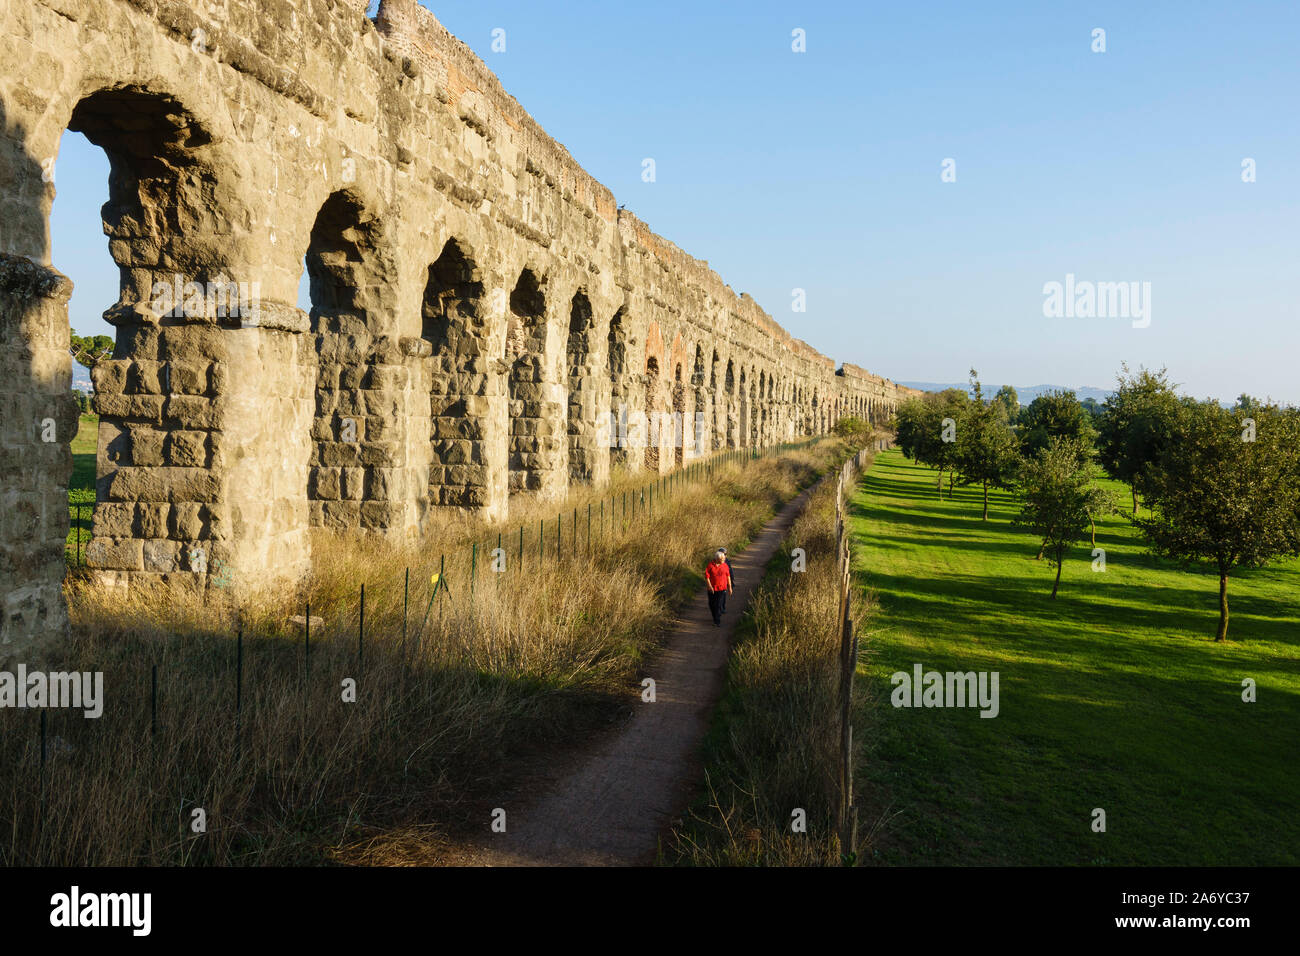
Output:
(716, 404)
(699, 406)
(616, 360)
(453, 294)
(76, 326)
(161, 395)
(530, 444)
(453, 323)
(652, 408)
(732, 416)
(679, 417)
(342, 271)
(742, 411)
(583, 405)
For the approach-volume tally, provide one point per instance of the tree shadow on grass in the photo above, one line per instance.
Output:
(1023, 605)
(1158, 752)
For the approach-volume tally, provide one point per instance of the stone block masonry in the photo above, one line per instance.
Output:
(479, 304)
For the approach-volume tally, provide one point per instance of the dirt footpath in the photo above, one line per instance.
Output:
(617, 798)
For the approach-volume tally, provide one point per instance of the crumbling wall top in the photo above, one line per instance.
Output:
(411, 30)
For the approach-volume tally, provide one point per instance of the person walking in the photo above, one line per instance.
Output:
(717, 578)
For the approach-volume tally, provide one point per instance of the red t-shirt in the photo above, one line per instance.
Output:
(718, 575)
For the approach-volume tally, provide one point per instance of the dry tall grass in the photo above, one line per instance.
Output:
(774, 747)
(450, 695)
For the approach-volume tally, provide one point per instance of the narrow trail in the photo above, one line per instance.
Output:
(618, 798)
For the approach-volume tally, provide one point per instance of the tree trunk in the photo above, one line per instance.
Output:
(1059, 560)
(1223, 608)
(986, 501)
(950, 486)
(1041, 549)
(1094, 530)
(1135, 502)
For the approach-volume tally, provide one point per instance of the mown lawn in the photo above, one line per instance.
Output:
(1113, 696)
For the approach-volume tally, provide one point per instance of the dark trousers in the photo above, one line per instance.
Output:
(724, 601)
(716, 599)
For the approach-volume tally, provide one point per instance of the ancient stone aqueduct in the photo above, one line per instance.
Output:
(479, 303)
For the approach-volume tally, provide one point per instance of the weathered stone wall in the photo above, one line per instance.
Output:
(37, 419)
(479, 303)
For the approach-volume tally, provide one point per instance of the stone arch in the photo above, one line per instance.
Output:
(587, 461)
(653, 409)
(654, 431)
(699, 403)
(451, 314)
(345, 270)
(466, 453)
(678, 426)
(743, 409)
(732, 420)
(768, 423)
(342, 259)
(187, 488)
(617, 364)
(535, 442)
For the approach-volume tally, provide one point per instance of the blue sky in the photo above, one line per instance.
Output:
(821, 171)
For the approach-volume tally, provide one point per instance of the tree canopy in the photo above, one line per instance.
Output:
(1060, 499)
(1008, 403)
(1136, 426)
(921, 431)
(1055, 415)
(90, 350)
(986, 446)
(1225, 489)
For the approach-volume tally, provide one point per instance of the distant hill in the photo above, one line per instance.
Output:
(80, 377)
(1026, 393)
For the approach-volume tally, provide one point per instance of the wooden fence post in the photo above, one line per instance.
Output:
(847, 813)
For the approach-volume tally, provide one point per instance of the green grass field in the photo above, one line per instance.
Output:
(81, 489)
(1113, 696)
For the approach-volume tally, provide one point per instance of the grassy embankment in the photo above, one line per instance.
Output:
(773, 746)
